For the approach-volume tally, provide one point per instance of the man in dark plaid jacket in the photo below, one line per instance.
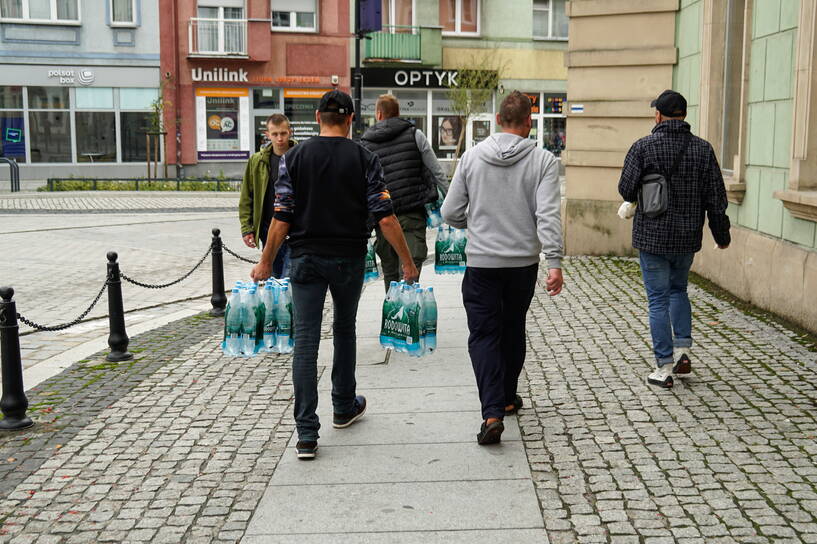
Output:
(667, 244)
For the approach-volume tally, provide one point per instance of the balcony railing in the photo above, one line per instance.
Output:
(400, 43)
(217, 37)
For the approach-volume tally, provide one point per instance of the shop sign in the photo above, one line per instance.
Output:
(408, 79)
(13, 135)
(220, 74)
(72, 77)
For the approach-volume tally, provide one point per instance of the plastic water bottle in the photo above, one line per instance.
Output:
(419, 316)
(388, 308)
(284, 318)
(249, 323)
(232, 324)
(434, 218)
(270, 321)
(430, 320)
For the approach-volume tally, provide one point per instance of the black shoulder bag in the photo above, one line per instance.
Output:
(653, 199)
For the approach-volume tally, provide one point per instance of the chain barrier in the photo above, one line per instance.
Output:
(236, 255)
(69, 324)
(163, 285)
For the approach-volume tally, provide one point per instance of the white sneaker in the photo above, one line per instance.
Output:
(661, 377)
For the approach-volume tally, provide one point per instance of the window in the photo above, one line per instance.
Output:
(96, 136)
(52, 11)
(94, 98)
(549, 20)
(133, 126)
(221, 30)
(48, 98)
(732, 81)
(294, 15)
(123, 12)
(398, 15)
(266, 99)
(12, 124)
(460, 17)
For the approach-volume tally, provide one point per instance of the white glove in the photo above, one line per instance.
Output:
(627, 210)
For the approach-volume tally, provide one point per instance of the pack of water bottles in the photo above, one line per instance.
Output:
(258, 319)
(449, 251)
(372, 271)
(409, 323)
(434, 217)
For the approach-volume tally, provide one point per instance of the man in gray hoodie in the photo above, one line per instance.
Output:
(506, 193)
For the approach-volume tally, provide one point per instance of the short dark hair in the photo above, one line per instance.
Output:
(277, 119)
(332, 119)
(514, 110)
(388, 105)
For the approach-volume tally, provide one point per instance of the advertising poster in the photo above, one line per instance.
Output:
(223, 120)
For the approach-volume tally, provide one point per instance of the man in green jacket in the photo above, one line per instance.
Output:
(255, 205)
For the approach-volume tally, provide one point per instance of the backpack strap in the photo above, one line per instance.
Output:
(679, 156)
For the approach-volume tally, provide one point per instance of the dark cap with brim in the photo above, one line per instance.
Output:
(337, 102)
(670, 103)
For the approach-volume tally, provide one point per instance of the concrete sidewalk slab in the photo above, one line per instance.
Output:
(414, 428)
(370, 464)
(390, 507)
(517, 536)
(402, 472)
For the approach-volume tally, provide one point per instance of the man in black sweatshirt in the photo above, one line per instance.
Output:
(326, 189)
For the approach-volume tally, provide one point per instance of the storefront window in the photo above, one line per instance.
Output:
(414, 107)
(300, 106)
(554, 134)
(47, 98)
(133, 126)
(222, 123)
(269, 98)
(50, 135)
(94, 98)
(12, 135)
(11, 98)
(96, 136)
(137, 98)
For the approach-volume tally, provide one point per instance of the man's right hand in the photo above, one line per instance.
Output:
(249, 240)
(410, 272)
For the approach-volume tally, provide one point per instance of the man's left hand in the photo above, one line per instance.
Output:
(261, 271)
(554, 282)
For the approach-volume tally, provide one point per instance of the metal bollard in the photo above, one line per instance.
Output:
(14, 403)
(118, 338)
(219, 299)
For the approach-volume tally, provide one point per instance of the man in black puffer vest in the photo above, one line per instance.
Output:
(405, 154)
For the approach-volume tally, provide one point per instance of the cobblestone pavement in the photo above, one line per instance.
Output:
(181, 444)
(728, 455)
(112, 202)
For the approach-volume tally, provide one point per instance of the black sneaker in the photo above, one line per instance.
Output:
(517, 405)
(341, 421)
(683, 366)
(490, 434)
(306, 449)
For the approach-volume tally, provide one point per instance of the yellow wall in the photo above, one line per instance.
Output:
(515, 63)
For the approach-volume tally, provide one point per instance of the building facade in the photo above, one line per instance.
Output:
(78, 79)
(748, 69)
(229, 64)
(424, 44)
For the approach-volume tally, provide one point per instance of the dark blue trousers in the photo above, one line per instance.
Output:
(496, 303)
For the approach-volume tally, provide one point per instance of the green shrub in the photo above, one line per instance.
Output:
(186, 184)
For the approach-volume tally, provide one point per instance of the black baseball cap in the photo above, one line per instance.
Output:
(337, 102)
(670, 103)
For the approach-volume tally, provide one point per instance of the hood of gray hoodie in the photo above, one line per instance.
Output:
(503, 149)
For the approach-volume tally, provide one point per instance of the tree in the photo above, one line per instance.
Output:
(155, 134)
(473, 93)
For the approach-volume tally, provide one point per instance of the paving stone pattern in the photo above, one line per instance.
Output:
(728, 455)
(184, 452)
(115, 202)
(178, 445)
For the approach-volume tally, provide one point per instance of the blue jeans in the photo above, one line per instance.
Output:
(310, 276)
(665, 280)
